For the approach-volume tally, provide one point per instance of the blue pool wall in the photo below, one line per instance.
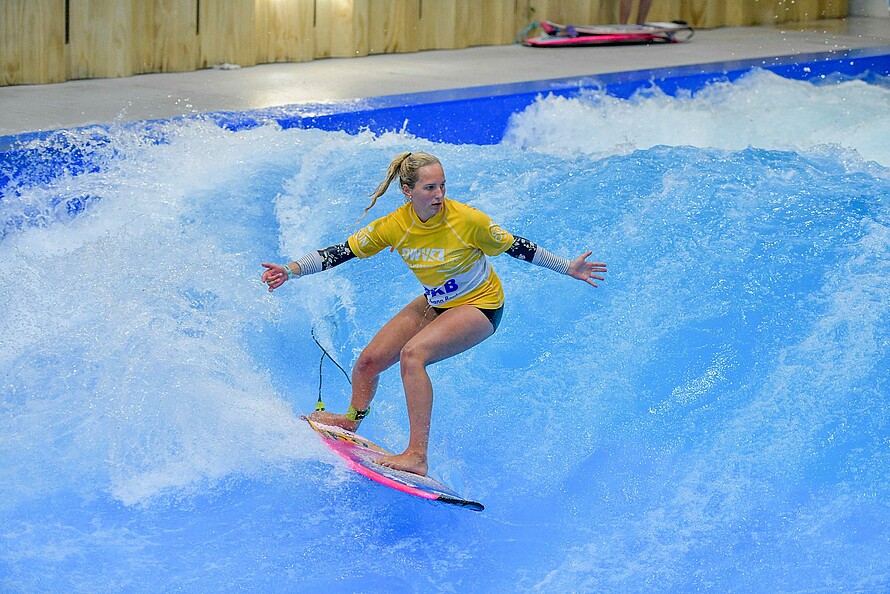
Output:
(474, 115)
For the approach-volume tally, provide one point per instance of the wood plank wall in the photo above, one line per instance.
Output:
(47, 41)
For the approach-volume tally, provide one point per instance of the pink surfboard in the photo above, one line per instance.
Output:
(360, 454)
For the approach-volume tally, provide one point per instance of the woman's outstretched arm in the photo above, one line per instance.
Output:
(276, 274)
(579, 268)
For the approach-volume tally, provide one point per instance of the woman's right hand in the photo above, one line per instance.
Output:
(274, 276)
(581, 269)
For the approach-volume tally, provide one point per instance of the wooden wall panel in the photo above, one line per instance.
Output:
(32, 42)
(521, 18)
(578, 11)
(522, 14)
(323, 19)
(834, 9)
(574, 11)
(341, 28)
(809, 10)
(355, 41)
(101, 39)
(285, 31)
(704, 13)
(393, 26)
(748, 13)
(141, 34)
(789, 10)
(227, 32)
(171, 42)
(668, 10)
(545, 10)
(468, 25)
(437, 20)
(499, 21)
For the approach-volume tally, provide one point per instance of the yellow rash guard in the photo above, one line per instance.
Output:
(446, 253)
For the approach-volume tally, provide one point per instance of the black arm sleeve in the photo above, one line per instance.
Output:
(522, 249)
(335, 255)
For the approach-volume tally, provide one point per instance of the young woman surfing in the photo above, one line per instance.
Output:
(445, 244)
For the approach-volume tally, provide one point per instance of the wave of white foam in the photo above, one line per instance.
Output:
(761, 110)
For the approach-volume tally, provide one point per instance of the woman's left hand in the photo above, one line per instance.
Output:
(581, 269)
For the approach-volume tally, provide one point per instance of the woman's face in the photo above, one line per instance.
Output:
(428, 194)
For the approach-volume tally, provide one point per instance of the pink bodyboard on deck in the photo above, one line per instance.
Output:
(557, 35)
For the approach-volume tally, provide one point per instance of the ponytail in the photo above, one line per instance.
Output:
(405, 166)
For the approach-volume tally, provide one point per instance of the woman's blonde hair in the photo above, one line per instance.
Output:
(405, 166)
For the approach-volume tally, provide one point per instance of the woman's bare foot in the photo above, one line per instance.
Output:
(407, 461)
(334, 420)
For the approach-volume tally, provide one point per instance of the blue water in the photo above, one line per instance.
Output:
(714, 417)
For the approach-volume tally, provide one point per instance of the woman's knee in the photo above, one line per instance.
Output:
(414, 355)
(370, 362)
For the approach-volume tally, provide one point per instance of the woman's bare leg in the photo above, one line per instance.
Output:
(624, 12)
(453, 332)
(643, 11)
(380, 354)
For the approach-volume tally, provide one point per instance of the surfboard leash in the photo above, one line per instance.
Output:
(319, 405)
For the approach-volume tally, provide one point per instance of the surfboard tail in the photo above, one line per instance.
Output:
(466, 503)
